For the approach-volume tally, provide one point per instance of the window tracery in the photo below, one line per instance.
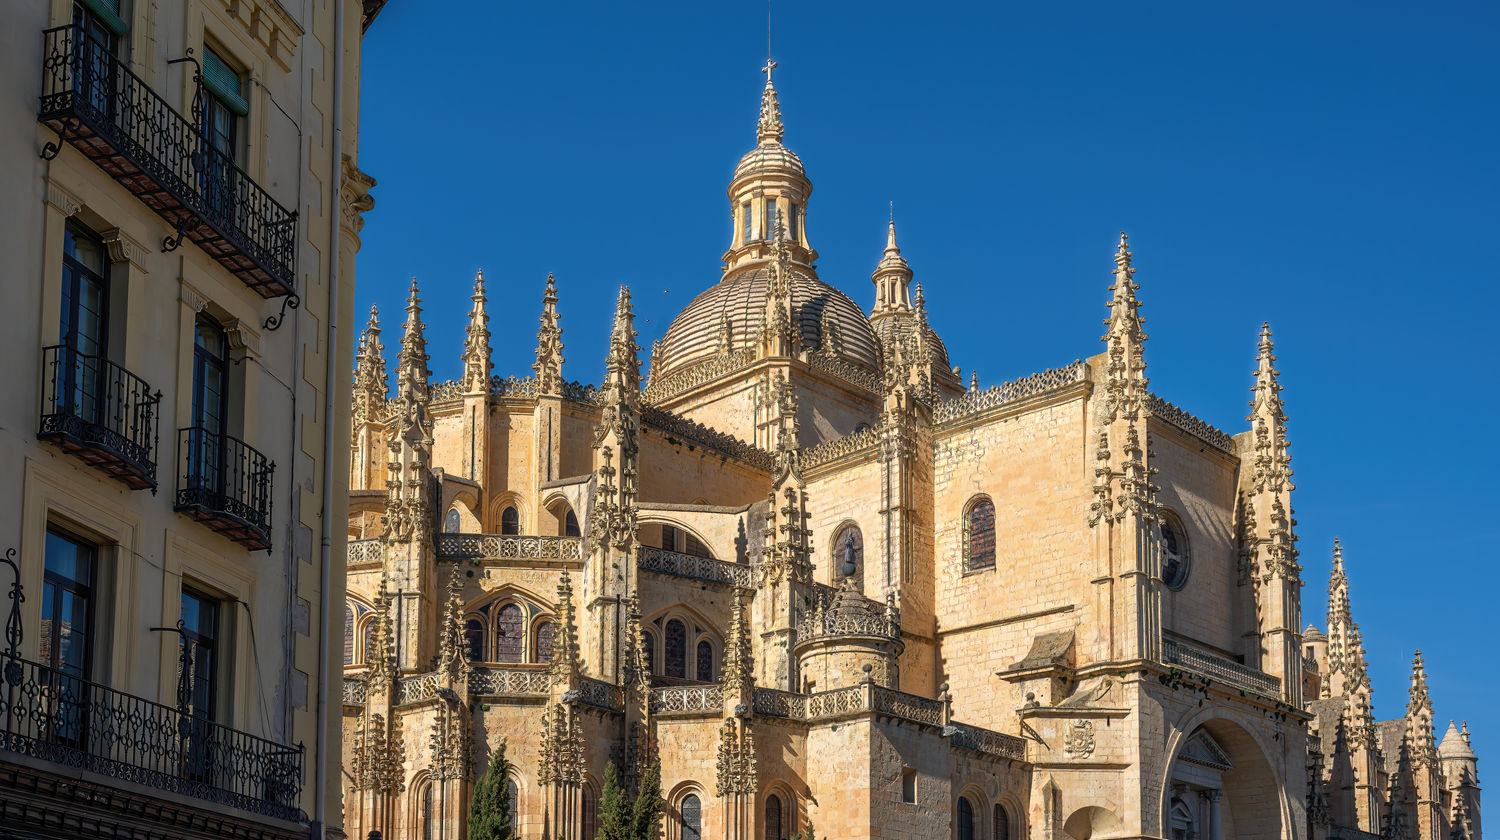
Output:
(979, 535)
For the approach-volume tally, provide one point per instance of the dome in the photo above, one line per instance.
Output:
(770, 158)
(1313, 634)
(741, 300)
(1454, 745)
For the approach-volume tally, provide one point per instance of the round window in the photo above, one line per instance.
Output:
(1175, 559)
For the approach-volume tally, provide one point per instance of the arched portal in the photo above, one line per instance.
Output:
(1222, 786)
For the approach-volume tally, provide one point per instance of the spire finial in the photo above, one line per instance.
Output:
(549, 345)
(770, 129)
(477, 364)
(890, 239)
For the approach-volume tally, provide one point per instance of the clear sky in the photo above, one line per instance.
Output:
(1329, 167)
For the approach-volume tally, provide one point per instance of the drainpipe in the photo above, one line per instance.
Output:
(330, 371)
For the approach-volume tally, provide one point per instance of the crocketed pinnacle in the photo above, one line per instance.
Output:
(623, 368)
(738, 673)
(1272, 461)
(1126, 382)
(565, 637)
(1346, 655)
(1420, 698)
(549, 345)
(769, 129)
(370, 386)
(477, 363)
(411, 365)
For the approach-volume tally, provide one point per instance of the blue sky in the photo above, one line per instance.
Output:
(1328, 167)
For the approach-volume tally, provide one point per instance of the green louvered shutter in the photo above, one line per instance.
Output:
(224, 83)
(108, 13)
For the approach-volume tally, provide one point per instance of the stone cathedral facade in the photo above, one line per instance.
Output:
(816, 577)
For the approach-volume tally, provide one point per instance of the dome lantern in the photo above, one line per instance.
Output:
(769, 186)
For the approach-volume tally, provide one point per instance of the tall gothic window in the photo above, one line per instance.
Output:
(979, 534)
(474, 638)
(510, 521)
(542, 650)
(694, 546)
(669, 537)
(1002, 824)
(771, 218)
(705, 661)
(570, 525)
(515, 802)
(425, 817)
(348, 635)
(773, 818)
(367, 642)
(676, 652)
(745, 224)
(510, 634)
(965, 819)
(849, 556)
(791, 220)
(692, 817)
(648, 641)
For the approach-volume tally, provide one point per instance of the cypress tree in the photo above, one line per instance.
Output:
(645, 817)
(490, 809)
(614, 810)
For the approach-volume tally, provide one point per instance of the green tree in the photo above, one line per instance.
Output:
(614, 809)
(645, 816)
(490, 810)
(807, 832)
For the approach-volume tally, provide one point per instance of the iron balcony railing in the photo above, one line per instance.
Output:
(101, 413)
(93, 101)
(225, 484)
(63, 719)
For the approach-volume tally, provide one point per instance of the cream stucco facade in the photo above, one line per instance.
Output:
(182, 207)
(817, 578)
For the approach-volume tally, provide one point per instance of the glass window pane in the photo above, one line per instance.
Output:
(705, 663)
(510, 521)
(543, 648)
(692, 818)
(773, 818)
(509, 634)
(570, 525)
(676, 653)
(982, 535)
(965, 819)
(348, 635)
(474, 636)
(368, 642)
(770, 218)
(745, 223)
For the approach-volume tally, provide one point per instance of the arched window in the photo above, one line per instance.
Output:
(676, 652)
(510, 521)
(452, 522)
(692, 817)
(587, 823)
(510, 634)
(515, 804)
(979, 535)
(474, 637)
(424, 812)
(705, 669)
(773, 818)
(849, 557)
(1175, 556)
(348, 635)
(570, 525)
(1002, 824)
(965, 819)
(648, 641)
(694, 546)
(541, 651)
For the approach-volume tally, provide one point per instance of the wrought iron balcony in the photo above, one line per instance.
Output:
(101, 413)
(54, 717)
(93, 101)
(225, 484)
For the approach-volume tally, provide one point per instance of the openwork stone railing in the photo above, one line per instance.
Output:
(687, 699)
(59, 718)
(676, 426)
(834, 449)
(852, 700)
(600, 694)
(771, 702)
(986, 741)
(499, 546)
(680, 381)
(862, 617)
(356, 691)
(511, 682)
(708, 569)
(1309, 664)
(365, 551)
(416, 688)
(975, 402)
(503, 387)
(1200, 429)
(842, 368)
(1217, 667)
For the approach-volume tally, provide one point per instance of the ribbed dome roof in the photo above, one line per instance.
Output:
(770, 157)
(741, 298)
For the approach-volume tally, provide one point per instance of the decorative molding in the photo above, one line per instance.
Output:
(243, 338)
(837, 448)
(1079, 741)
(1183, 421)
(123, 248)
(63, 200)
(677, 425)
(192, 297)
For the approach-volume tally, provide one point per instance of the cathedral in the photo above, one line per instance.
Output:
(820, 580)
